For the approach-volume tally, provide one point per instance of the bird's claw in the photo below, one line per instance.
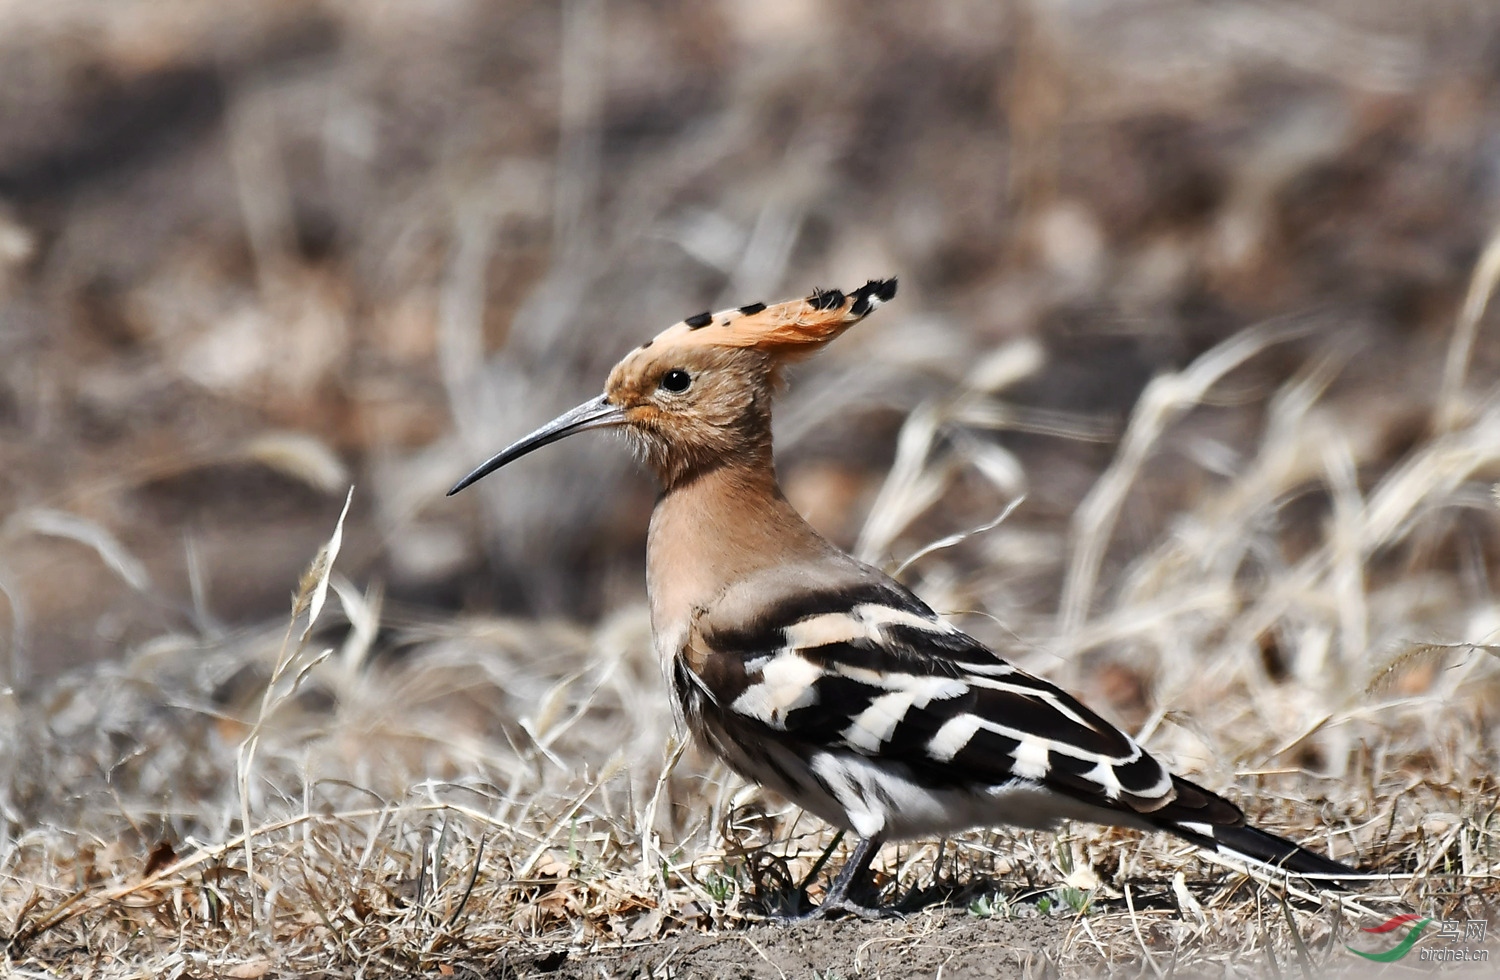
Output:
(835, 909)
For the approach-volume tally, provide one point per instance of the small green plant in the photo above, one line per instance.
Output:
(1076, 899)
(720, 887)
(989, 906)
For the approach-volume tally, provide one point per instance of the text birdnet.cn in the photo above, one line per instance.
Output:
(823, 678)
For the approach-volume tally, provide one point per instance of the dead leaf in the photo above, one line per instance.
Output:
(161, 855)
(646, 927)
(552, 865)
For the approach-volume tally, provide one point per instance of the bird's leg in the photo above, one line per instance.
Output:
(837, 899)
(853, 870)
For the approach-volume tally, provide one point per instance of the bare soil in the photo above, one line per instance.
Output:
(941, 942)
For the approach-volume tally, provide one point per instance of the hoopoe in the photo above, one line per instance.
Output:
(821, 677)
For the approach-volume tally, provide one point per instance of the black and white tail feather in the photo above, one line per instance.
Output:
(858, 702)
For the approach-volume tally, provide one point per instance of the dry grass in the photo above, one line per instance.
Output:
(494, 788)
(398, 237)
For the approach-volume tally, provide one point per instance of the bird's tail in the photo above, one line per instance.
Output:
(1215, 824)
(1250, 844)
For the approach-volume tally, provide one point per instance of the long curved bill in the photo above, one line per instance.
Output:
(595, 413)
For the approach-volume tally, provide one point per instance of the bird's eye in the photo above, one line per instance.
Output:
(676, 381)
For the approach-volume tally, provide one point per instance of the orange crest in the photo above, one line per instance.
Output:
(784, 328)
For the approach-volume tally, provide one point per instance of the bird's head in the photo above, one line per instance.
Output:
(701, 389)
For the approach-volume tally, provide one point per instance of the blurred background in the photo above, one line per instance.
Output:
(250, 254)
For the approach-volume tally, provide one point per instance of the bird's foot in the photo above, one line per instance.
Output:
(837, 908)
(837, 901)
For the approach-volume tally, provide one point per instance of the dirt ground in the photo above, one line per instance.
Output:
(938, 943)
(942, 943)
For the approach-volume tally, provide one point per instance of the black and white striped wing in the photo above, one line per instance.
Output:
(867, 688)
(858, 703)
